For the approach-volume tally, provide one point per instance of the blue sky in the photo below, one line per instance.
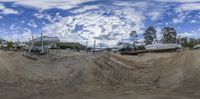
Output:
(106, 20)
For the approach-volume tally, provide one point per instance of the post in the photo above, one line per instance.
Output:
(94, 46)
(29, 50)
(42, 44)
(122, 38)
(47, 52)
(87, 46)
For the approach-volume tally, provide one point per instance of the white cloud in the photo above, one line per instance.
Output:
(7, 11)
(186, 34)
(107, 28)
(190, 34)
(18, 36)
(188, 7)
(193, 21)
(32, 24)
(144, 5)
(180, 18)
(155, 15)
(85, 8)
(159, 33)
(181, 1)
(39, 16)
(48, 4)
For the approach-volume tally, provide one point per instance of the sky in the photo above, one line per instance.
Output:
(107, 21)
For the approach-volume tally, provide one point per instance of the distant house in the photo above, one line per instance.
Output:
(3, 43)
(19, 44)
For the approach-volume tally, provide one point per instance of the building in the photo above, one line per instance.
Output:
(42, 44)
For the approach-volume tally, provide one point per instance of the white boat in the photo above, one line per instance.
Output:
(158, 47)
(196, 47)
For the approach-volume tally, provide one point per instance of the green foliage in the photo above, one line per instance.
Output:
(10, 45)
(183, 41)
(191, 43)
(187, 42)
(71, 45)
(133, 34)
(169, 35)
(150, 35)
(141, 48)
(125, 49)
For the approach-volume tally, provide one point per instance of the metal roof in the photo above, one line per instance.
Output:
(46, 39)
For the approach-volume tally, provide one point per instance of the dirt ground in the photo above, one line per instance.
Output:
(78, 75)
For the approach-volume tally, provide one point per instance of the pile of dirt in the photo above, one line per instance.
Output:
(179, 72)
(100, 75)
(35, 76)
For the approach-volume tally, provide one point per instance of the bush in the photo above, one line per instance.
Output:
(141, 48)
(71, 45)
(10, 45)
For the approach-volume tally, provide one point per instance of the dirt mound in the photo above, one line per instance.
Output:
(118, 70)
(173, 73)
(101, 74)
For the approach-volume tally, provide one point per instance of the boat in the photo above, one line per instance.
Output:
(163, 47)
(196, 47)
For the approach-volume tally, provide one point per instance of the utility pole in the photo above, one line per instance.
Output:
(42, 43)
(94, 46)
(122, 38)
(32, 37)
(87, 46)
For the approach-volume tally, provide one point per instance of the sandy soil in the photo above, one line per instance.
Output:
(72, 75)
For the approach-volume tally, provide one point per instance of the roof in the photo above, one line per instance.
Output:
(46, 39)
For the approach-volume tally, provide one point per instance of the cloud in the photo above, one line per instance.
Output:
(193, 21)
(24, 36)
(191, 34)
(159, 33)
(39, 16)
(85, 8)
(188, 7)
(144, 5)
(106, 25)
(180, 18)
(32, 24)
(6, 11)
(186, 34)
(106, 21)
(155, 15)
(48, 4)
(180, 1)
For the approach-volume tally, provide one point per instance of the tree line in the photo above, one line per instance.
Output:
(169, 35)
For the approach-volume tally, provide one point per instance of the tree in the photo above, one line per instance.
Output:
(192, 42)
(150, 35)
(10, 45)
(169, 35)
(183, 41)
(133, 35)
